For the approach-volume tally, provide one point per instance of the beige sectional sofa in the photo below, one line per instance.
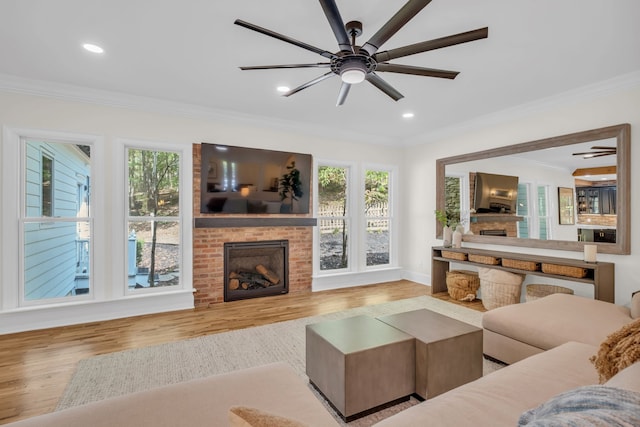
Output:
(497, 399)
(500, 398)
(274, 388)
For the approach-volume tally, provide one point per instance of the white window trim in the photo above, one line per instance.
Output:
(186, 207)
(393, 222)
(11, 291)
(108, 300)
(351, 209)
(358, 273)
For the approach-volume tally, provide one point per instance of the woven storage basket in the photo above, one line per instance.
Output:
(499, 288)
(564, 270)
(521, 265)
(460, 256)
(535, 291)
(462, 284)
(484, 259)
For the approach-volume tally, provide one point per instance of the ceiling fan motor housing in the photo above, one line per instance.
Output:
(353, 63)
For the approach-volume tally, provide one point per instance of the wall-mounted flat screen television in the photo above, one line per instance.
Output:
(239, 180)
(495, 193)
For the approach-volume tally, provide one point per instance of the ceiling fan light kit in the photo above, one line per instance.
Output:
(355, 64)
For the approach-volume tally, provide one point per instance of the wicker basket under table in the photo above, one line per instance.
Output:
(460, 256)
(520, 264)
(564, 270)
(462, 285)
(484, 259)
(535, 291)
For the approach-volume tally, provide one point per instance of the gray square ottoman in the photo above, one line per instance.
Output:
(360, 364)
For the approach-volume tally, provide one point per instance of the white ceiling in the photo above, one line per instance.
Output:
(189, 52)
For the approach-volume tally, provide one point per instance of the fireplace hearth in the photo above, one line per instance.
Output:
(255, 269)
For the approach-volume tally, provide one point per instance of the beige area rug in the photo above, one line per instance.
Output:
(129, 371)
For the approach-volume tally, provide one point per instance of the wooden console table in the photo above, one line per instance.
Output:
(599, 274)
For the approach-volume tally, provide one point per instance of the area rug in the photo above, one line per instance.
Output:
(124, 372)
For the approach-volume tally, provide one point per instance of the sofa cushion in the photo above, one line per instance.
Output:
(628, 378)
(205, 402)
(555, 319)
(498, 399)
(594, 405)
(243, 416)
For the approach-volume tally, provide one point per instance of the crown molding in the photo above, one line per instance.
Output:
(581, 94)
(73, 93)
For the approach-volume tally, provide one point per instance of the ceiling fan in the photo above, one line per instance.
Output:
(354, 63)
(597, 151)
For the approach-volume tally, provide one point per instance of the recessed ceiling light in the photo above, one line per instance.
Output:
(408, 115)
(283, 89)
(93, 48)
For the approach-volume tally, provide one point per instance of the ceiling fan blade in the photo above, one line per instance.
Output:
(604, 153)
(337, 24)
(417, 71)
(601, 147)
(425, 46)
(397, 21)
(344, 91)
(284, 38)
(269, 67)
(375, 80)
(310, 83)
(601, 155)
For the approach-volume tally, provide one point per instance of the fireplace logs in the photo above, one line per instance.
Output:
(250, 280)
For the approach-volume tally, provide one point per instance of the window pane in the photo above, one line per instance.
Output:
(334, 244)
(522, 209)
(153, 254)
(57, 251)
(332, 191)
(376, 190)
(377, 242)
(47, 186)
(153, 183)
(56, 259)
(56, 179)
(452, 199)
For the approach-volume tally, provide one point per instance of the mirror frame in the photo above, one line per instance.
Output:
(621, 132)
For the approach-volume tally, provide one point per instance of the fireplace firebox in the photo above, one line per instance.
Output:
(255, 269)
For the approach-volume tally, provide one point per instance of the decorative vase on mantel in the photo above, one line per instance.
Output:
(447, 236)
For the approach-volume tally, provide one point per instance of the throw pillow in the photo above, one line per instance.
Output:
(619, 350)
(243, 416)
(586, 406)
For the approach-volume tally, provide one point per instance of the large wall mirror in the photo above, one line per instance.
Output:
(571, 190)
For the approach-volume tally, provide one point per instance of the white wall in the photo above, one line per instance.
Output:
(610, 108)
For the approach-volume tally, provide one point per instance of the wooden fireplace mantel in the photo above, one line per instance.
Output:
(235, 222)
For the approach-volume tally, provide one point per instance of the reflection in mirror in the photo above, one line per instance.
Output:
(568, 190)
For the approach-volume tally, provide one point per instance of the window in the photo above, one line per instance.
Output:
(543, 212)
(534, 208)
(154, 219)
(377, 217)
(333, 217)
(522, 210)
(56, 228)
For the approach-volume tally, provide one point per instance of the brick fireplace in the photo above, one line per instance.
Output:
(212, 231)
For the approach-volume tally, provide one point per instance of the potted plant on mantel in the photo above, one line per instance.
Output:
(290, 187)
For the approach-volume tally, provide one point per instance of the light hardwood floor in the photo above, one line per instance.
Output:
(36, 366)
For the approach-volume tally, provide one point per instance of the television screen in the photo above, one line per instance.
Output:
(495, 193)
(238, 180)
